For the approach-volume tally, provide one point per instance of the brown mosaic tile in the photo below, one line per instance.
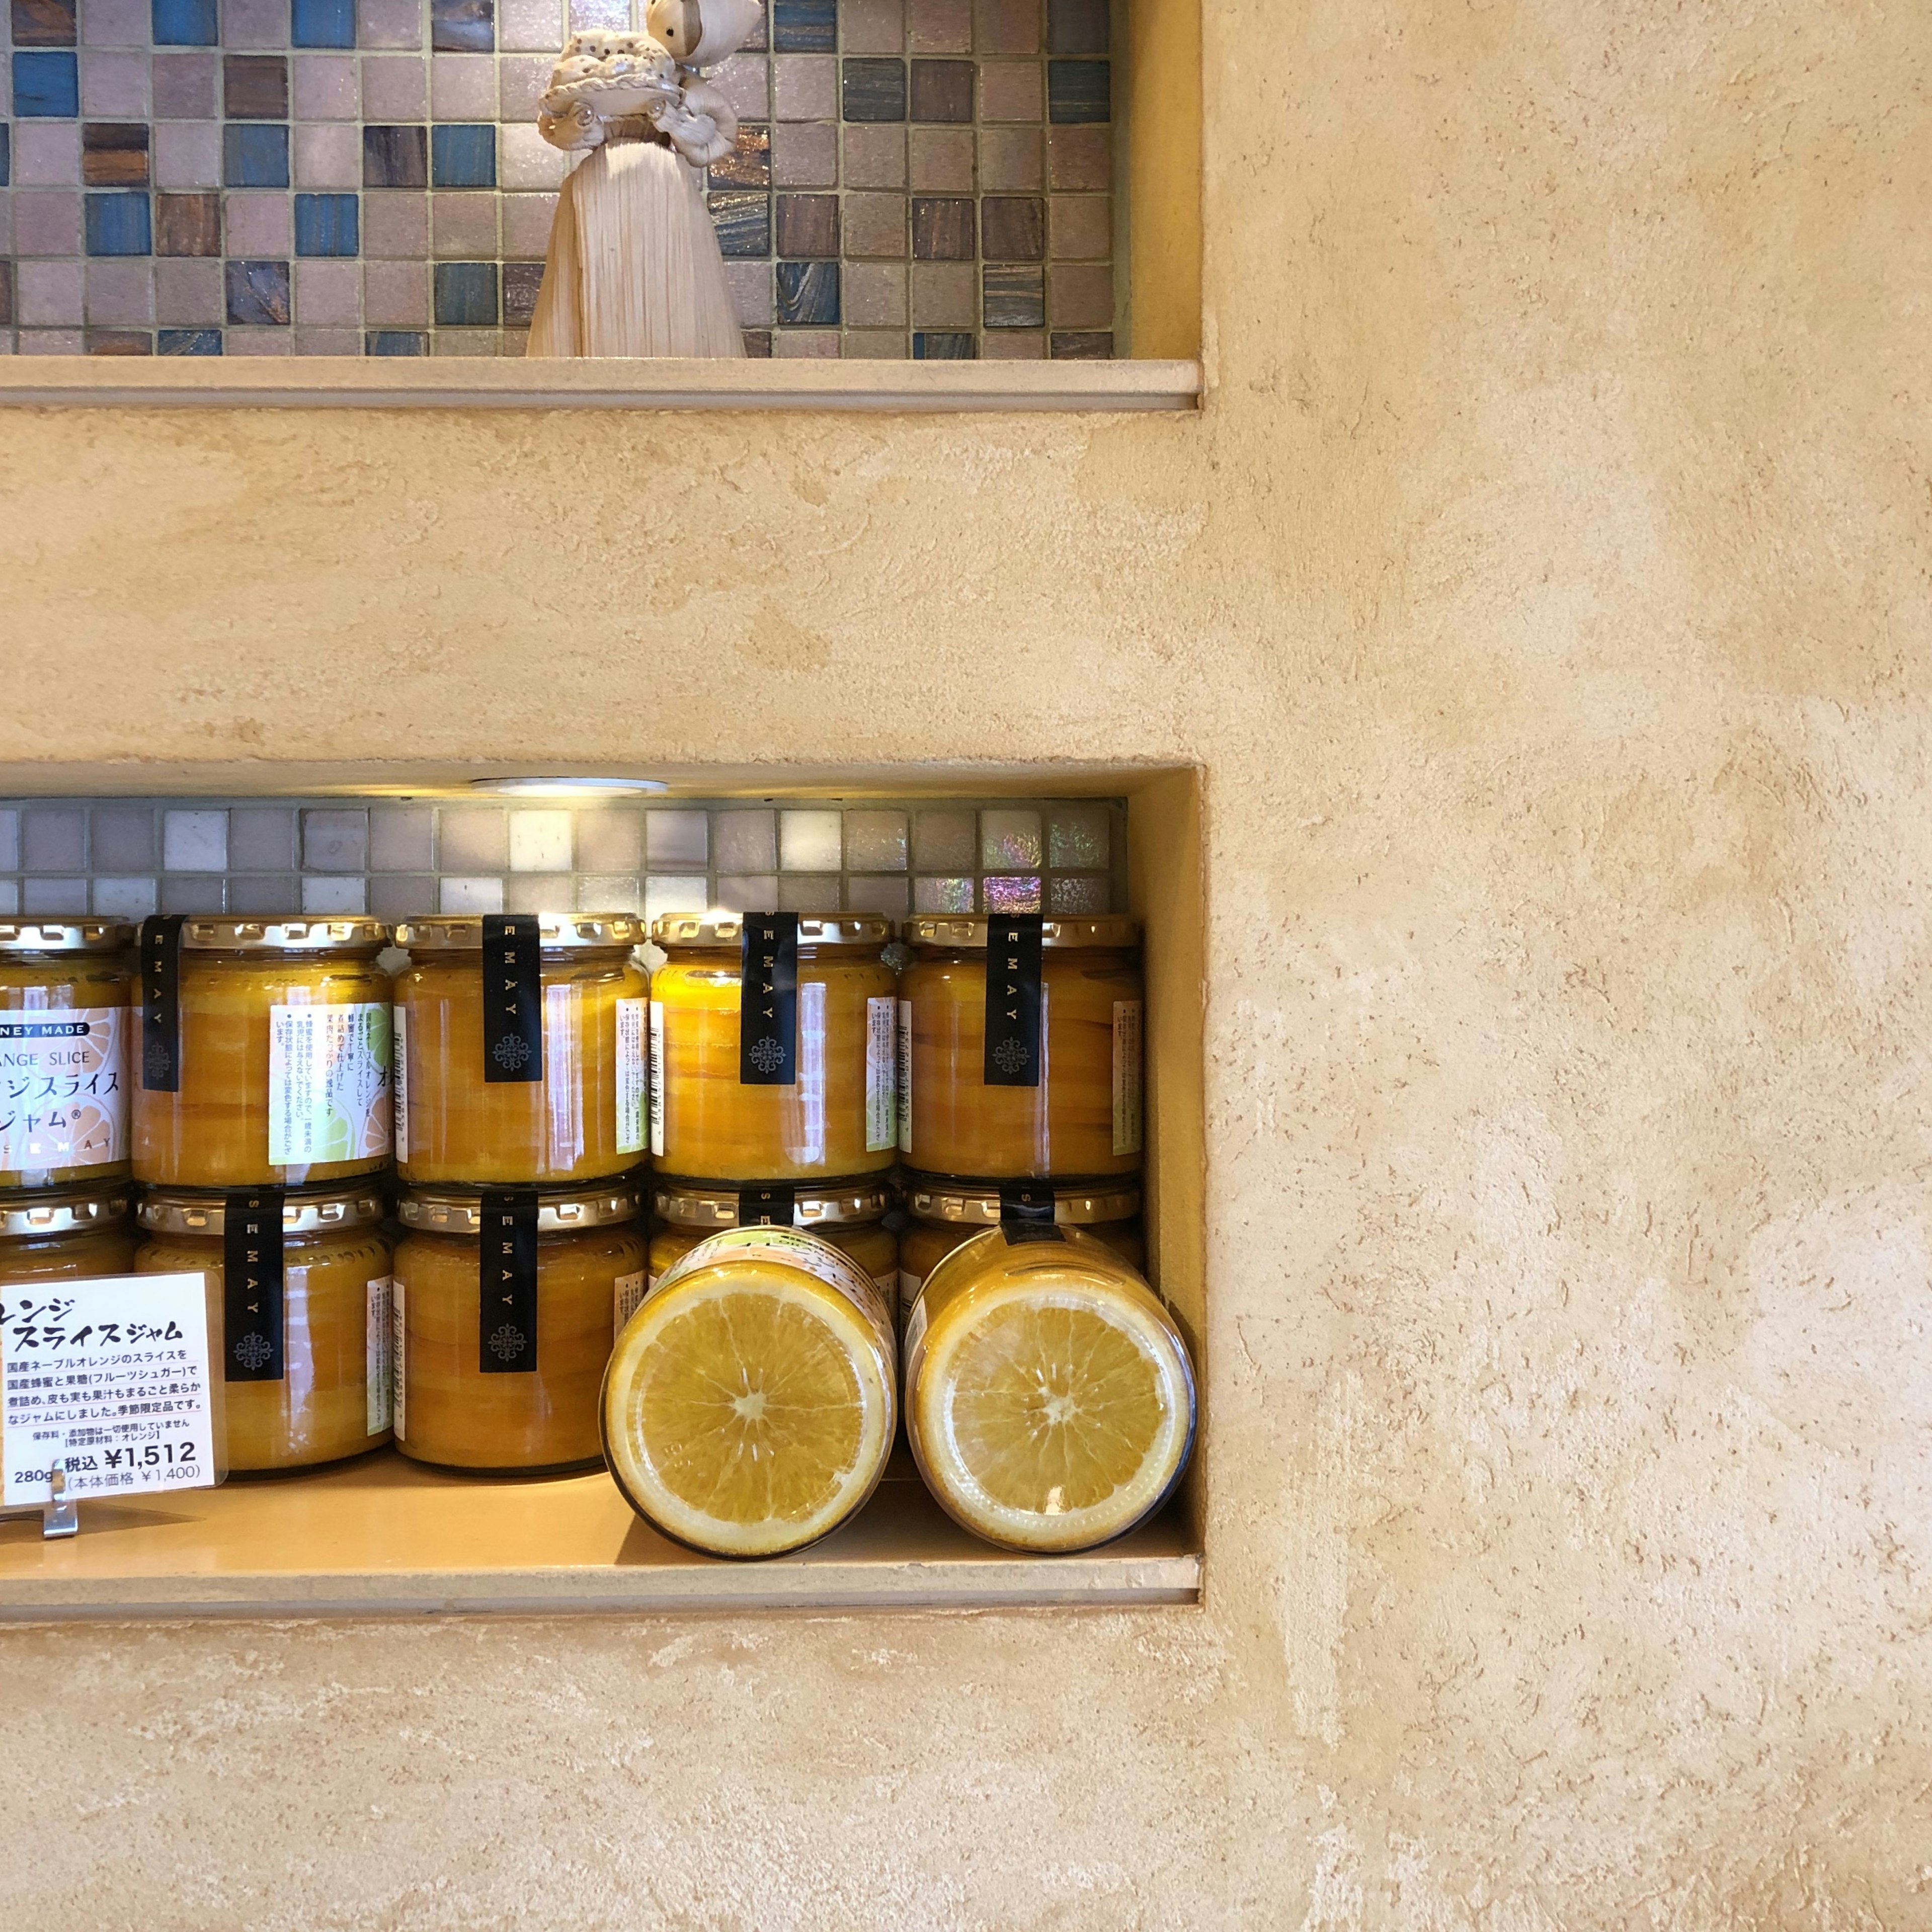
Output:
(1011, 91)
(1011, 159)
(6, 294)
(945, 295)
(1082, 295)
(942, 159)
(872, 26)
(807, 227)
(1079, 158)
(749, 163)
(941, 26)
(1071, 345)
(875, 157)
(187, 224)
(942, 228)
(875, 226)
(1013, 228)
(882, 345)
(1013, 295)
(255, 87)
(395, 225)
(876, 295)
(114, 153)
(44, 23)
(119, 342)
(1014, 345)
(942, 90)
(804, 154)
(183, 86)
(1005, 26)
(1077, 26)
(1081, 227)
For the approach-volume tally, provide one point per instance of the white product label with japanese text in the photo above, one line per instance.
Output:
(399, 1357)
(109, 1377)
(377, 1362)
(63, 1087)
(657, 1073)
(632, 1083)
(1127, 1122)
(882, 1129)
(790, 1247)
(909, 1284)
(329, 1093)
(905, 1076)
(627, 1291)
(399, 1024)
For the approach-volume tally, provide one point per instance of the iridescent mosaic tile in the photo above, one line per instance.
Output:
(298, 177)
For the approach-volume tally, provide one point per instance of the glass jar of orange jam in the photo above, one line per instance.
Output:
(520, 1049)
(1021, 1047)
(264, 1058)
(65, 990)
(302, 1279)
(1049, 1397)
(851, 1216)
(772, 1047)
(82, 1231)
(946, 1214)
(506, 1303)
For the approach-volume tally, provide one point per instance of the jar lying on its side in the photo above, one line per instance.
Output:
(506, 1301)
(946, 1214)
(82, 1231)
(264, 1052)
(65, 991)
(850, 1215)
(1022, 1047)
(806, 1091)
(1049, 1399)
(748, 1408)
(520, 1049)
(302, 1279)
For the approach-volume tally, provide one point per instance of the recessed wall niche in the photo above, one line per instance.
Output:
(931, 179)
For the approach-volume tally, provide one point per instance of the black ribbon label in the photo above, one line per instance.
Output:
(253, 1302)
(1013, 1000)
(512, 999)
(768, 1000)
(1026, 1212)
(506, 1328)
(773, 1207)
(160, 1003)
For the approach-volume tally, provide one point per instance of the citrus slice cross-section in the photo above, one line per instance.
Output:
(748, 1406)
(1050, 1408)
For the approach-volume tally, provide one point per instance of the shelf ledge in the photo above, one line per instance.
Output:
(378, 382)
(384, 1537)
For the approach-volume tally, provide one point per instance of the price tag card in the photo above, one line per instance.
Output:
(110, 1376)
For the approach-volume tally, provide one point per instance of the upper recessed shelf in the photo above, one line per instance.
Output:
(349, 381)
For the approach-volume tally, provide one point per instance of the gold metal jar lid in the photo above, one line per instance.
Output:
(65, 1210)
(710, 1205)
(79, 935)
(203, 1213)
(560, 1211)
(673, 929)
(283, 935)
(976, 1204)
(557, 931)
(965, 934)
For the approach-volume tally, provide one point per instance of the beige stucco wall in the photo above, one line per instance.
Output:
(1545, 593)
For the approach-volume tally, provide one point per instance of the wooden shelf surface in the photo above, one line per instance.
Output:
(382, 1537)
(667, 382)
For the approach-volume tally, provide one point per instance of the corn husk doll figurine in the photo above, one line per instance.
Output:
(634, 268)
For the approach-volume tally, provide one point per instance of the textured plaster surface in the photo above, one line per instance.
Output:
(1545, 594)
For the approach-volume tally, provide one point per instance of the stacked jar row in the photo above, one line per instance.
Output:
(790, 1070)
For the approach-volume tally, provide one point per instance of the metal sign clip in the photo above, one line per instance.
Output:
(61, 1514)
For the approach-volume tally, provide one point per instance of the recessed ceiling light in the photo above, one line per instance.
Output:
(576, 788)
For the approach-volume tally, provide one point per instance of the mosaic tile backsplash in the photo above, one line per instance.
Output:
(923, 178)
(126, 858)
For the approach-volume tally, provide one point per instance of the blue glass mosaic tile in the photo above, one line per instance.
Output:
(1014, 296)
(254, 154)
(804, 26)
(462, 26)
(323, 23)
(6, 154)
(943, 346)
(395, 342)
(463, 155)
(326, 224)
(185, 23)
(1079, 92)
(120, 224)
(466, 295)
(258, 293)
(189, 342)
(743, 217)
(47, 86)
(809, 294)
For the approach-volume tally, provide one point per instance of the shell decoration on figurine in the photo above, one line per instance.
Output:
(601, 77)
